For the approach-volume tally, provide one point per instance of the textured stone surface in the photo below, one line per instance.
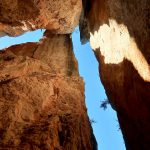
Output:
(19, 16)
(42, 98)
(119, 33)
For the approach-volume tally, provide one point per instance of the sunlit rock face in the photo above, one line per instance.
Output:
(19, 16)
(42, 98)
(119, 34)
(115, 44)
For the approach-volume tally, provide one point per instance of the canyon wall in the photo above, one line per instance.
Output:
(41, 93)
(119, 34)
(42, 103)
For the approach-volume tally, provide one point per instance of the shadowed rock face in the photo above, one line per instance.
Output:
(19, 16)
(42, 98)
(119, 34)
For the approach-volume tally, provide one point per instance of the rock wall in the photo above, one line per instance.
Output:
(42, 103)
(119, 33)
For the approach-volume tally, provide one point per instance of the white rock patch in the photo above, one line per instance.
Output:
(116, 44)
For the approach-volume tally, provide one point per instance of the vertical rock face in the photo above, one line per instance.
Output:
(119, 33)
(42, 98)
(19, 16)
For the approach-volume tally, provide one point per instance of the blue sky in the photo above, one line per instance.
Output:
(106, 128)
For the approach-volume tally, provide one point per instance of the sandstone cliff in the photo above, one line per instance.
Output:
(42, 103)
(119, 33)
(42, 98)
(41, 94)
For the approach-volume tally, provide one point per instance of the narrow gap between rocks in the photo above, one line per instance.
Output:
(33, 36)
(104, 123)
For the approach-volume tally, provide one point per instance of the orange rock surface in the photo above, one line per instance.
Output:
(42, 98)
(19, 16)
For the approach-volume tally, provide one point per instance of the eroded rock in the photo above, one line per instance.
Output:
(42, 98)
(119, 34)
(19, 16)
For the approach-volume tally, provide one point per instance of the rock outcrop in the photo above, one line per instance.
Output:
(119, 33)
(19, 16)
(42, 98)
(41, 94)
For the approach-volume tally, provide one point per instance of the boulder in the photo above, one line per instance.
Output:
(19, 16)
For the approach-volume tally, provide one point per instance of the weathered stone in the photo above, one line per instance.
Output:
(119, 33)
(42, 98)
(19, 16)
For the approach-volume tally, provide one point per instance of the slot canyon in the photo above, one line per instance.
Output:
(42, 99)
